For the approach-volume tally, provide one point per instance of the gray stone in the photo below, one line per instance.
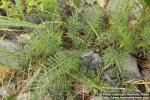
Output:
(8, 52)
(33, 19)
(131, 69)
(8, 45)
(108, 78)
(11, 47)
(92, 61)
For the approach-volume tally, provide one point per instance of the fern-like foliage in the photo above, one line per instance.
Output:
(54, 78)
(59, 68)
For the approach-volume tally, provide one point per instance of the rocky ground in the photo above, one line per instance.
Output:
(14, 41)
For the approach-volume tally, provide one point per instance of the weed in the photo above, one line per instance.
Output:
(53, 68)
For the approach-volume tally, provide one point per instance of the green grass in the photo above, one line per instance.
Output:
(53, 68)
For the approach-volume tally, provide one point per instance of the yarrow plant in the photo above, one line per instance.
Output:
(52, 68)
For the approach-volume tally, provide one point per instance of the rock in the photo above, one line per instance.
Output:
(92, 61)
(8, 45)
(33, 19)
(108, 78)
(6, 60)
(131, 69)
(8, 52)
(2, 94)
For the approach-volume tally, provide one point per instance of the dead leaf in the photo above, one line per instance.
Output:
(80, 89)
(132, 22)
(4, 73)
